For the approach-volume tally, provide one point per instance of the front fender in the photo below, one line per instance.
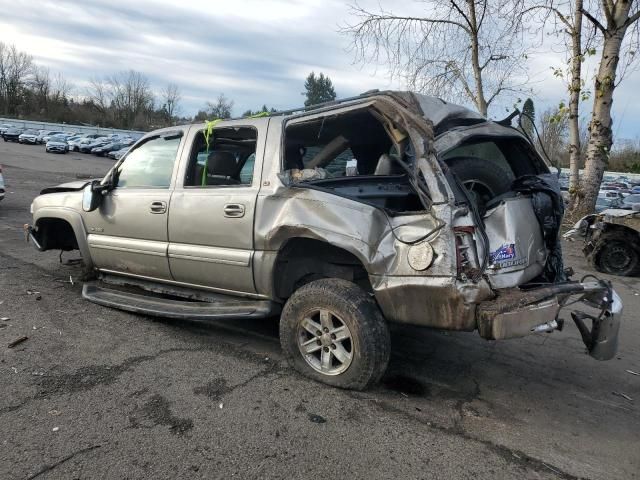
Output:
(73, 218)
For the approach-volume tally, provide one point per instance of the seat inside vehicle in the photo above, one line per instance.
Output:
(353, 154)
(227, 159)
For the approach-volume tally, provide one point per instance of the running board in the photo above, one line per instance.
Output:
(167, 308)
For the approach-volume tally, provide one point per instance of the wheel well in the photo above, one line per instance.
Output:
(303, 260)
(56, 234)
(623, 231)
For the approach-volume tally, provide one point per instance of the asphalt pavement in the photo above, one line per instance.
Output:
(98, 393)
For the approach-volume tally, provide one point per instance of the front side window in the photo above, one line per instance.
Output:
(226, 160)
(150, 165)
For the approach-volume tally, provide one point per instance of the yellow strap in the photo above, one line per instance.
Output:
(208, 132)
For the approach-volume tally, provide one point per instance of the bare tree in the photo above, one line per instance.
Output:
(221, 108)
(468, 48)
(131, 96)
(41, 88)
(15, 70)
(127, 96)
(171, 101)
(98, 94)
(552, 126)
(566, 18)
(617, 23)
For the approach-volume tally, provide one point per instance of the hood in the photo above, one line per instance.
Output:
(66, 187)
(617, 212)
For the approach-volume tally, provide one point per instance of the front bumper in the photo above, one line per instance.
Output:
(516, 313)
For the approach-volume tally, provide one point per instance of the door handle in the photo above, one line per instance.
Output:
(234, 210)
(158, 207)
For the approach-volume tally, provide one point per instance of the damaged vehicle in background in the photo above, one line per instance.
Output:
(342, 218)
(612, 240)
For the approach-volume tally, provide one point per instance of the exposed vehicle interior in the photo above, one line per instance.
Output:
(353, 154)
(227, 160)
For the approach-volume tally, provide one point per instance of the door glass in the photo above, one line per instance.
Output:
(150, 165)
(228, 159)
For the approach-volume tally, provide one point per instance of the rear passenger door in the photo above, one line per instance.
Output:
(212, 208)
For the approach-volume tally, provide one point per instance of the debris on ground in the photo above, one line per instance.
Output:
(55, 429)
(36, 293)
(619, 394)
(17, 341)
(632, 372)
(5, 319)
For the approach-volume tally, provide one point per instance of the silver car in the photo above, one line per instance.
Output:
(389, 207)
(57, 144)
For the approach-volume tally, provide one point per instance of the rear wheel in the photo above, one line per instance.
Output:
(618, 255)
(483, 178)
(333, 332)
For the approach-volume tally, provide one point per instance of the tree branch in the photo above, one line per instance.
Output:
(384, 18)
(462, 14)
(632, 19)
(594, 21)
(558, 13)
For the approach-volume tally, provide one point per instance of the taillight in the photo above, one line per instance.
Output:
(466, 253)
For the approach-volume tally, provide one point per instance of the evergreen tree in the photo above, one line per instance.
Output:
(528, 117)
(319, 89)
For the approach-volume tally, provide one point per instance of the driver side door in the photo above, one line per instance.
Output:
(127, 234)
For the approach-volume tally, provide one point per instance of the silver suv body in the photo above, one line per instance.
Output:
(387, 207)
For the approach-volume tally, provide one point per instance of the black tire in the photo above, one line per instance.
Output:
(618, 254)
(483, 177)
(350, 305)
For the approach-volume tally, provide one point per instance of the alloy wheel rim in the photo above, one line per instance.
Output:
(325, 342)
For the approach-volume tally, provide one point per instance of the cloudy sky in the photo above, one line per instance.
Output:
(254, 51)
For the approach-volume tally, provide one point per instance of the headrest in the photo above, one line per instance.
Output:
(222, 163)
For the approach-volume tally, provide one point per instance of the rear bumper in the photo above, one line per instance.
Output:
(517, 313)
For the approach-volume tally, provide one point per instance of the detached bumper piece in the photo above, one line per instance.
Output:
(517, 313)
(30, 236)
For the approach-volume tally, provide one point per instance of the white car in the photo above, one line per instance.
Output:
(29, 136)
(75, 145)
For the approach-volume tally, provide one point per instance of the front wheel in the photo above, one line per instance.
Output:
(333, 332)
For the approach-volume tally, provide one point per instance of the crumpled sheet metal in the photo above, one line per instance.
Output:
(433, 297)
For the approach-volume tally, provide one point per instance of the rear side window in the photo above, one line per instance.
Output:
(150, 165)
(228, 158)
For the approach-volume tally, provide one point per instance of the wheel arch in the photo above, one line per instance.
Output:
(54, 228)
(301, 260)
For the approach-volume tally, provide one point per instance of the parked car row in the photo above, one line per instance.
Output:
(113, 145)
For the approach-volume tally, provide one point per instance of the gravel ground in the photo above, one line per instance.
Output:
(99, 393)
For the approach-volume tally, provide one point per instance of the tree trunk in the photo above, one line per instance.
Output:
(574, 100)
(481, 102)
(600, 134)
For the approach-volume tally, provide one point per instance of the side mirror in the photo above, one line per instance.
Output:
(91, 197)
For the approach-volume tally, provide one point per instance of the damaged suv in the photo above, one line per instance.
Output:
(386, 207)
